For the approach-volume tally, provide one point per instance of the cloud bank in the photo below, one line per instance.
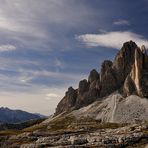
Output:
(112, 39)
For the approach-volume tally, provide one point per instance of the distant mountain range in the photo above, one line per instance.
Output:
(15, 116)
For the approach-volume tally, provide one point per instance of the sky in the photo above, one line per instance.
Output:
(47, 46)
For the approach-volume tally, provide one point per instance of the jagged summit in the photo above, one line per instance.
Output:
(127, 74)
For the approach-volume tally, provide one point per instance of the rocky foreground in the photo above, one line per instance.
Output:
(63, 133)
(131, 136)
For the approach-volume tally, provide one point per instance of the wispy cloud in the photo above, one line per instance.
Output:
(51, 96)
(112, 39)
(53, 80)
(122, 22)
(32, 24)
(7, 47)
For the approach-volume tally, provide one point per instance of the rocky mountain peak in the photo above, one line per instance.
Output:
(94, 75)
(124, 60)
(83, 87)
(127, 74)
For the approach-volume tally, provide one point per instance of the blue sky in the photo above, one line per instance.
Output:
(48, 45)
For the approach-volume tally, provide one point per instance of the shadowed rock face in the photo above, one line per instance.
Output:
(83, 87)
(94, 76)
(128, 73)
(68, 102)
(108, 79)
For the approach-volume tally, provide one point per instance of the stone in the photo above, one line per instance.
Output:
(94, 76)
(106, 65)
(108, 79)
(83, 87)
(78, 141)
(129, 87)
(68, 102)
(137, 70)
(123, 61)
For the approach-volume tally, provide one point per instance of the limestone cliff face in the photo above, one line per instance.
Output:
(68, 102)
(123, 61)
(136, 72)
(127, 74)
(108, 79)
(88, 91)
(139, 71)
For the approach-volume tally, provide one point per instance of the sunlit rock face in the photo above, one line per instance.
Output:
(138, 74)
(127, 74)
(123, 61)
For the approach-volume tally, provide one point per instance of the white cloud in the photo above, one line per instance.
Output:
(112, 39)
(121, 22)
(26, 79)
(7, 47)
(50, 96)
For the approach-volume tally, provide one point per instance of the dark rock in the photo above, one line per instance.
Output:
(83, 87)
(144, 84)
(68, 102)
(87, 98)
(79, 141)
(108, 79)
(94, 76)
(88, 92)
(129, 86)
(106, 65)
(144, 77)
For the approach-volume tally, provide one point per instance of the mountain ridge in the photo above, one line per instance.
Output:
(127, 74)
(14, 116)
